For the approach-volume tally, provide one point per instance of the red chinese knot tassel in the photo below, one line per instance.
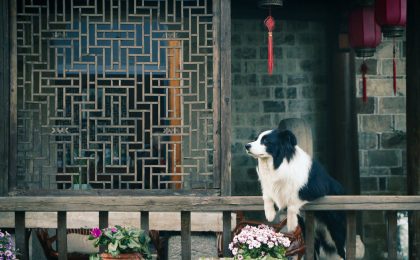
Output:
(269, 23)
(364, 69)
(394, 68)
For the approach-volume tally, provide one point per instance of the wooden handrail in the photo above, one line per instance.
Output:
(188, 204)
(196, 204)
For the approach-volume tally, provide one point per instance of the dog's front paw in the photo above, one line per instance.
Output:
(270, 214)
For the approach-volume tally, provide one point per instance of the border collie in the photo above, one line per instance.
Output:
(290, 178)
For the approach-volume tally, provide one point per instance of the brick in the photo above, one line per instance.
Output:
(397, 184)
(365, 107)
(306, 65)
(369, 183)
(244, 133)
(393, 140)
(368, 141)
(379, 171)
(388, 70)
(259, 119)
(309, 38)
(291, 93)
(252, 39)
(381, 87)
(255, 66)
(384, 50)
(383, 158)
(245, 53)
(400, 123)
(274, 106)
(244, 80)
(236, 66)
(382, 183)
(376, 123)
(296, 26)
(259, 92)
(372, 65)
(236, 40)
(279, 92)
(271, 80)
(397, 171)
(300, 106)
(391, 105)
(247, 106)
(296, 79)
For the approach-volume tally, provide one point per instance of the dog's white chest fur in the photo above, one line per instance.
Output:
(282, 185)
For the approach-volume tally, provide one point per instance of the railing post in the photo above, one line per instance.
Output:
(392, 234)
(186, 235)
(62, 235)
(309, 235)
(21, 241)
(227, 232)
(103, 223)
(351, 235)
(144, 221)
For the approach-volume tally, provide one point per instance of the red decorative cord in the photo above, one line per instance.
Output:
(364, 69)
(269, 23)
(394, 68)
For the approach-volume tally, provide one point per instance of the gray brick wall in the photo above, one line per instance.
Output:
(381, 127)
(297, 88)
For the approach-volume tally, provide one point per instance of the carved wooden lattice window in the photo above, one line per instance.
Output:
(115, 94)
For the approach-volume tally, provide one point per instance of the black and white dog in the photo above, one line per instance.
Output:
(290, 178)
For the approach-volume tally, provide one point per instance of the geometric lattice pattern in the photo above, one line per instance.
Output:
(115, 94)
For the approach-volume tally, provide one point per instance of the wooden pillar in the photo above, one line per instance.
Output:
(413, 120)
(4, 98)
(344, 117)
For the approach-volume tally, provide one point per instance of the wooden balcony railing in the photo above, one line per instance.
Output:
(187, 204)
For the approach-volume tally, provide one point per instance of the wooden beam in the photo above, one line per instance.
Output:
(62, 235)
(216, 96)
(4, 98)
(351, 235)
(20, 230)
(198, 204)
(13, 96)
(186, 235)
(144, 222)
(103, 223)
(392, 234)
(227, 232)
(309, 235)
(225, 84)
(413, 120)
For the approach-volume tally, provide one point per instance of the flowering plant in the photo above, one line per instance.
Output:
(7, 246)
(120, 240)
(260, 242)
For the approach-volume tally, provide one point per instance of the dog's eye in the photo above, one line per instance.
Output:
(263, 140)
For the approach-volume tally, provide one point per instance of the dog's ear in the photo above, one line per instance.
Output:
(288, 137)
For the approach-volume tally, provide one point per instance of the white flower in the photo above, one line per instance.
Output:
(235, 251)
(230, 246)
(240, 257)
(270, 244)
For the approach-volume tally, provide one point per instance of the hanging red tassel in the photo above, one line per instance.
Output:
(364, 69)
(394, 67)
(269, 23)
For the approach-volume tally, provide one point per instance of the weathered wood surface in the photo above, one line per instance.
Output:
(216, 96)
(187, 203)
(413, 120)
(392, 234)
(351, 235)
(62, 235)
(21, 241)
(309, 235)
(225, 80)
(227, 234)
(302, 130)
(186, 235)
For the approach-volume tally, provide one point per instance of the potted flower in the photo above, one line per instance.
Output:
(260, 242)
(7, 246)
(128, 243)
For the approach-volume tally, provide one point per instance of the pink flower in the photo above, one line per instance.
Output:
(235, 251)
(240, 257)
(114, 230)
(96, 232)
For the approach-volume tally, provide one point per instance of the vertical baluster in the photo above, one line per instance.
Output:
(309, 235)
(351, 235)
(186, 235)
(227, 232)
(144, 221)
(392, 234)
(21, 241)
(103, 223)
(62, 234)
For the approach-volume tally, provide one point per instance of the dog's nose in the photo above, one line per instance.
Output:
(247, 146)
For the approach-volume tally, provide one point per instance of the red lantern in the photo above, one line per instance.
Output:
(364, 37)
(391, 15)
